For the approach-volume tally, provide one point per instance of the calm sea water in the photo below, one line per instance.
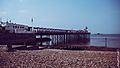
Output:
(112, 40)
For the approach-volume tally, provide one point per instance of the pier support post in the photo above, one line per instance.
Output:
(64, 39)
(41, 39)
(52, 41)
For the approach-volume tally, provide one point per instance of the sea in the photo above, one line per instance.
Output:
(108, 40)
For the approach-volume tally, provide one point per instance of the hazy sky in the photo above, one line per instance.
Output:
(99, 15)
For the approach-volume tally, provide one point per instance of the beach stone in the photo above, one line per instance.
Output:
(53, 58)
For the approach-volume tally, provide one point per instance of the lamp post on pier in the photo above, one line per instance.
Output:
(32, 23)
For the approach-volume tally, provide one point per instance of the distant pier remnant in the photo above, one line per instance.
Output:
(105, 42)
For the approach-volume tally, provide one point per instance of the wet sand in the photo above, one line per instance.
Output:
(55, 58)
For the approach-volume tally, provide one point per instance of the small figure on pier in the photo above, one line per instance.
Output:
(86, 29)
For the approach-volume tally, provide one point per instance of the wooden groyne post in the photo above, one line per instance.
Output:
(105, 42)
(9, 47)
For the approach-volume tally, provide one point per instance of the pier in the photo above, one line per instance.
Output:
(47, 37)
(61, 37)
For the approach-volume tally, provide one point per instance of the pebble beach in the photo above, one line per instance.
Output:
(56, 58)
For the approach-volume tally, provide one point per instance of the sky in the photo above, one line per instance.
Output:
(100, 16)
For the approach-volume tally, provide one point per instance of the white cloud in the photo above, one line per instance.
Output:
(47, 20)
(21, 1)
(3, 12)
(22, 11)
